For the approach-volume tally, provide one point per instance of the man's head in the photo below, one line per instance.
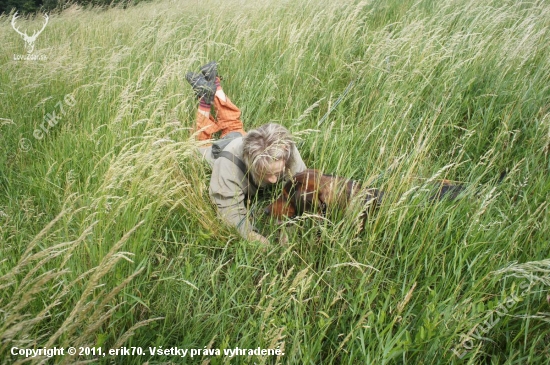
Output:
(267, 152)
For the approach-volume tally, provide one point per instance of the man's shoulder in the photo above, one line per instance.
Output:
(297, 164)
(224, 165)
(235, 147)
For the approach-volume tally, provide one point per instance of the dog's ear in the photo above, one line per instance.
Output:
(305, 194)
(284, 205)
(306, 198)
(298, 198)
(302, 192)
(276, 209)
(280, 209)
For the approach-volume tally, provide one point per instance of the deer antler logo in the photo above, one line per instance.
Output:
(29, 40)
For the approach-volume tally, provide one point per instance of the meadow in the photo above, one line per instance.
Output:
(108, 238)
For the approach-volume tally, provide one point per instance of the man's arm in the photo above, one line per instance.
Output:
(226, 190)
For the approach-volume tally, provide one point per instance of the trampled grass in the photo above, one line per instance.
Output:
(108, 237)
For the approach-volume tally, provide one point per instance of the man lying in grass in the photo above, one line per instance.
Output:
(249, 161)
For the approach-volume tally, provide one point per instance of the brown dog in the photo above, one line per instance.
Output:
(312, 191)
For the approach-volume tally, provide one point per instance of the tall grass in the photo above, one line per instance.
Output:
(109, 238)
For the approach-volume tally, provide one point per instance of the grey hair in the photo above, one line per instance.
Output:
(266, 144)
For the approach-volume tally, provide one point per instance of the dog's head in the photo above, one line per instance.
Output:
(300, 194)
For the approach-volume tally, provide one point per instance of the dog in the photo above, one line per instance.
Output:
(312, 191)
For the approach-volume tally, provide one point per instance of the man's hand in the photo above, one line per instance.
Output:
(253, 236)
